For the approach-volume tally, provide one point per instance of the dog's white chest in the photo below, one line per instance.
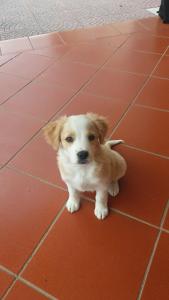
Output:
(83, 179)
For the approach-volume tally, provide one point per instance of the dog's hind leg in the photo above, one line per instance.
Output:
(114, 188)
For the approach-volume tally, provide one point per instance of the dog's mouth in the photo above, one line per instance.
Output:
(83, 161)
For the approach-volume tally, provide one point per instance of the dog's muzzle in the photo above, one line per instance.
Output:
(82, 157)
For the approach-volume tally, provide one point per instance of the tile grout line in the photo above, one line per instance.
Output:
(17, 54)
(152, 107)
(24, 78)
(43, 238)
(120, 212)
(153, 253)
(139, 92)
(84, 197)
(26, 282)
(146, 151)
(19, 171)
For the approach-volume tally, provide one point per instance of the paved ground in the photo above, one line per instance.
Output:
(20, 18)
(45, 252)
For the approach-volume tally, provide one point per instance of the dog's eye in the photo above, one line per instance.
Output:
(91, 137)
(69, 139)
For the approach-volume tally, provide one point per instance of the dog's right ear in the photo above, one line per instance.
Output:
(52, 132)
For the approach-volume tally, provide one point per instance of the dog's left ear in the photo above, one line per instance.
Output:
(101, 125)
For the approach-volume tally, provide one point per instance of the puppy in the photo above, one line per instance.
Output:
(85, 161)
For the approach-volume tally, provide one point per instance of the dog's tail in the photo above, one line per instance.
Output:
(113, 143)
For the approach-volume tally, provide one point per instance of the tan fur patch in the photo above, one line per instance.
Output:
(52, 132)
(101, 125)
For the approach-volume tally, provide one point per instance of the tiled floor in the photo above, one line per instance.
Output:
(122, 72)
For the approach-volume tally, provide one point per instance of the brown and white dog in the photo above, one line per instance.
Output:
(86, 162)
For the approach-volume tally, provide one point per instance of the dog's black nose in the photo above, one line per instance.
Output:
(82, 155)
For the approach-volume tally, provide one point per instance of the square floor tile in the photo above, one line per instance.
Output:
(39, 159)
(147, 42)
(22, 291)
(5, 58)
(82, 35)
(69, 74)
(27, 207)
(155, 93)
(5, 282)
(53, 52)
(130, 26)
(145, 128)
(45, 40)
(27, 65)
(15, 45)
(83, 248)
(89, 54)
(112, 42)
(155, 26)
(166, 223)
(15, 131)
(39, 100)
(9, 85)
(133, 61)
(111, 108)
(167, 52)
(157, 286)
(142, 194)
(115, 84)
(162, 69)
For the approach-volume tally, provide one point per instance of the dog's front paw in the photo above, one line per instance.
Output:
(101, 212)
(72, 205)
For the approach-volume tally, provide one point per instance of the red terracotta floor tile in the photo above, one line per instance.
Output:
(27, 209)
(147, 42)
(9, 85)
(5, 282)
(166, 223)
(38, 159)
(69, 74)
(112, 42)
(15, 45)
(130, 26)
(5, 58)
(39, 100)
(155, 93)
(157, 286)
(162, 69)
(167, 52)
(90, 249)
(82, 35)
(155, 26)
(142, 194)
(133, 61)
(27, 65)
(22, 291)
(15, 131)
(46, 40)
(89, 54)
(111, 108)
(145, 128)
(116, 84)
(53, 52)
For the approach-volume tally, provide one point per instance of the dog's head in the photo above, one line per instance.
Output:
(78, 136)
